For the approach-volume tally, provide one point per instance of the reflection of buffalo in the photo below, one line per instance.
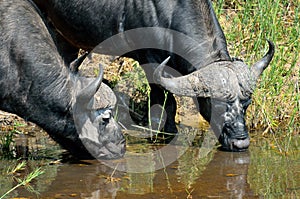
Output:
(219, 174)
(189, 33)
(36, 85)
(225, 177)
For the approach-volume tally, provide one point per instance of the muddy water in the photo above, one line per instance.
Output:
(218, 175)
(199, 170)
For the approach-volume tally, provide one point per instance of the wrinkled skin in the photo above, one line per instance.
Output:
(36, 85)
(84, 24)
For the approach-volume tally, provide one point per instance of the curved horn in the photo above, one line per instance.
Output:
(86, 94)
(190, 85)
(262, 64)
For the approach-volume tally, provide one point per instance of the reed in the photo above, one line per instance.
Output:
(25, 182)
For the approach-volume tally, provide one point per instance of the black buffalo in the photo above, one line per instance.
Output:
(36, 85)
(222, 85)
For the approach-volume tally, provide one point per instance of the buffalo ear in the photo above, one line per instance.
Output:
(87, 93)
(77, 62)
(262, 64)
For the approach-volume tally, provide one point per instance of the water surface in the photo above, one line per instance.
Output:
(201, 171)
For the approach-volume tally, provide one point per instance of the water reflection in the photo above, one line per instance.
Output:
(218, 174)
(225, 176)
(199, 172)
(273, 174)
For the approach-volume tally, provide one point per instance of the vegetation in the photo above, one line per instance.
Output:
(13, 174)
(7, 149)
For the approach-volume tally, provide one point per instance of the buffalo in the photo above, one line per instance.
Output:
(36, 85)
(221, 84)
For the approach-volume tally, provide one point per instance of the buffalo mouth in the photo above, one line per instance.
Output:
(112, 150)
(108, 150)
(239, 142)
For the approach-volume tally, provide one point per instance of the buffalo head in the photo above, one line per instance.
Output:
(97, 129)
(223, 90)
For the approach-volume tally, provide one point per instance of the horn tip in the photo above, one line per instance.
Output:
(166, 60)
(100, 70)
(158, 71)
(271, 46)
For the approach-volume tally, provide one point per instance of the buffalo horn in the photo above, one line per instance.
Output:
(183, 85)
(88, 93)
(261, 65)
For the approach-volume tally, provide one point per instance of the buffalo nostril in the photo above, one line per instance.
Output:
(107, 114)
(105, 120)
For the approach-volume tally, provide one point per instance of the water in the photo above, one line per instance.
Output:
(201, 171)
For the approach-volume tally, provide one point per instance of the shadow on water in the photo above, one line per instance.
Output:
(260, 172)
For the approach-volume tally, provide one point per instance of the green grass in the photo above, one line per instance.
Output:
(13, 175)
(247, 26)
(7, 149)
